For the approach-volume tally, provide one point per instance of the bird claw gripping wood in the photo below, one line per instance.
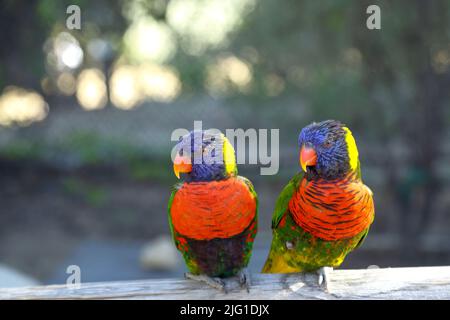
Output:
(215, 283)
(324, 277)
(244, 279)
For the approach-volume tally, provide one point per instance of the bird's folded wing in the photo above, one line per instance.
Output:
(283, 199)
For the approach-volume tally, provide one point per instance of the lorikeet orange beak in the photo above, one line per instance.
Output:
(308, 156)
(181, 165)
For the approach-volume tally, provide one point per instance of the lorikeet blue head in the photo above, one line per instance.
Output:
(327, 150)
(204, 156)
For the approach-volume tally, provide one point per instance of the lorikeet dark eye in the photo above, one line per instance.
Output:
(327, 143)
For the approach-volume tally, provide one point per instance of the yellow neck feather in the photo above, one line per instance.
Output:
(229, 157)
(352, 149)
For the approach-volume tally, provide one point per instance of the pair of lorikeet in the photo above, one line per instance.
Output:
(323, 213)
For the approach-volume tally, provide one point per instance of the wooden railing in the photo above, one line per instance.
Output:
(388, 283)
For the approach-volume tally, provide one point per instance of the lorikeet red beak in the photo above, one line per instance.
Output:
(181, 165)
(308, 156)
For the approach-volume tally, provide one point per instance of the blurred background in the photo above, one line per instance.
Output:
(86, 117)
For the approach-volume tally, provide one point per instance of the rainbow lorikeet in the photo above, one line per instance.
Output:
(213, 211)
(325, 211)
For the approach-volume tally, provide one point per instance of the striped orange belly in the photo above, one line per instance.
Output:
(213, 209)
(332, 210)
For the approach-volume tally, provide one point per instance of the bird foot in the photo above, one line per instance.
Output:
(324, 276)
(215, 283)
(244, 279)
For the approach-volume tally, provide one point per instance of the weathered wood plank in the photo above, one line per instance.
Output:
(388, 283)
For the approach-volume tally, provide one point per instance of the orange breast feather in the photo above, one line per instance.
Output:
(332, 211)
(214, 209)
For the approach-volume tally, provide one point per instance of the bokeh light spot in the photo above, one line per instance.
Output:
(22, 107)
(228, 73)
(159, 83)
(125, 93)
(91, 89)
(66, 83)
(147, 39)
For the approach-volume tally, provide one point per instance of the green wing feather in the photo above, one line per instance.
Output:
(252, 191)
(284, 198)
(175, 188)
(363, 237)
(249, 245)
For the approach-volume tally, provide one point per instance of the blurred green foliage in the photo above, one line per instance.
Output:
(91, 194)
(21, 150)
